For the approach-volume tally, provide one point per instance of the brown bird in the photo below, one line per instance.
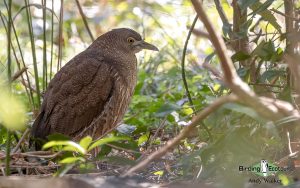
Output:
(91, 93)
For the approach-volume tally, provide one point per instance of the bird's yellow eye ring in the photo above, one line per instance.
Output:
(130, 40)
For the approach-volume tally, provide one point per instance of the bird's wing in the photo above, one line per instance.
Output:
(77, 94)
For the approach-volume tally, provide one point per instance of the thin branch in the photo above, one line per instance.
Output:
(9, 72)
(160, 127)
(183, 71)
(183, 63)
(234, 82)
(269, 85)
(60, 35)
(284, 15)
(34, 5)
(37, 154)
(200, 33)
(122, 149)
(36, 76)
(216, 39)
(84, 20)
(8, 141)
(29, 93)
(45, 75)
(183, 134)
(18, 74)
(294, 66)
(20, 141)
(52, 39)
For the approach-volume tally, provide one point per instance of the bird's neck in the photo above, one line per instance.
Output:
(125, 63)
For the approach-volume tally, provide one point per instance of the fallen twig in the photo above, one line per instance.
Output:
(38, 154)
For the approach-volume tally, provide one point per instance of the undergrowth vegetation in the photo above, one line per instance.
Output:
(41, 36)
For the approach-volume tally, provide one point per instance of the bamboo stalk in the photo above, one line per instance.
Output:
(60, 35)
(45, 80)
(8, 141)
(52, 41)
(36, 76)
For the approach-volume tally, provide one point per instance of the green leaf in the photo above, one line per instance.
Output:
(265, 50)
(261, 9)
(144, 138)
(270, 74)
(209, 57)
(284, 179)
(107, 140)
(63, 170)
(71, 144)
(244, 4)
(72, 149)
(105, 150)
(85, 142)
(244, 27)
(242, 109)
(226, 28)
(167, 109)
(240, 56)
(70, 160)
(159, 173)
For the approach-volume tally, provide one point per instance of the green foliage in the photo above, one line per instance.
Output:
(235, 134)
(244, 4)
(79, 150)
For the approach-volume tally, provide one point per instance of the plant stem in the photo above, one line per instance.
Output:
(60, 35)
(7, 159)
(84, 20)
(184, 76)
(36, 76)
(183, 63)
(45, 80)
(52, 41)
(9, 43)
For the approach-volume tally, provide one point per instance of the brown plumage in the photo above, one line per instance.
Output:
(91, 93)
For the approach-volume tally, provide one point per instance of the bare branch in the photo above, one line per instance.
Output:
(84, 20)
(18, 73)
(20, 141)
(200, 33)
(229, 70)
(233, 81)
(183, 134)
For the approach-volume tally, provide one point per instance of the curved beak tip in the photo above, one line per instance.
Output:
(148, 46)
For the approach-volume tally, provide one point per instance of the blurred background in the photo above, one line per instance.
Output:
(46, 34)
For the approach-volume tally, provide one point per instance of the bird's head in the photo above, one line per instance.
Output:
(130, 40)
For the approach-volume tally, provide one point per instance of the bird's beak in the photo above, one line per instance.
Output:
(145, 45)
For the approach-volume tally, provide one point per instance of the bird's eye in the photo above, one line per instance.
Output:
(130, 40)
